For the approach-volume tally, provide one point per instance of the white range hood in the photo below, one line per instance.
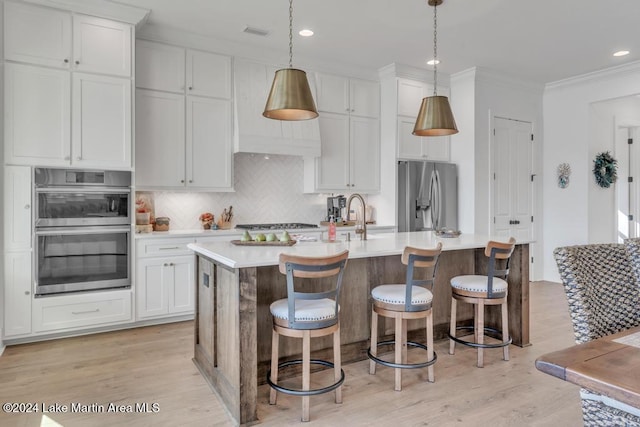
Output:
(257, 134)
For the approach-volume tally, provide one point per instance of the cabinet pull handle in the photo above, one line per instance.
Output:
(167, 248)
(27, 206)
(86, 312)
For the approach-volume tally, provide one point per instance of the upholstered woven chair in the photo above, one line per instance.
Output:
(483, 290)
(409, 300)
(308, 315)
(603, 293)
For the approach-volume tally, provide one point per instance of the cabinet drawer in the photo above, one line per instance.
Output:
(163, 247)
(76, 311)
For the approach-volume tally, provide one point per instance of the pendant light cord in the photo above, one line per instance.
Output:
(290, 33)
(435, 47)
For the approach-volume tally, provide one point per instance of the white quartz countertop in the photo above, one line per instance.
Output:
(383, 244)
(238, 232)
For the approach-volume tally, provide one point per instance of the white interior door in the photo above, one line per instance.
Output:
(512, 184)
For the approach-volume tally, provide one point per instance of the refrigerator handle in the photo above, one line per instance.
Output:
(435, 200)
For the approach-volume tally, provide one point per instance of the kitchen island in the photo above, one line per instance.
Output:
(236, 285)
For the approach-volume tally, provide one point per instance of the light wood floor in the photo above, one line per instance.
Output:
(153, 365)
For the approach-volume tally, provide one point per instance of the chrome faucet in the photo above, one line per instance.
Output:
(362, 231)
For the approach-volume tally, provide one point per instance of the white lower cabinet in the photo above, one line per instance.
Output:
(164, 278)
(17, 293)
(59, 313)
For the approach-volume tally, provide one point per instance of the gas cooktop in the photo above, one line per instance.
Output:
(277, 226)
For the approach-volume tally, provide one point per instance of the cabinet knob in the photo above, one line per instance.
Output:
(171, 264)
(77, 62)
(165, 265)
(190, 88)
(182, 181)
(27, 293)
(66, 60)
(190, 181)
(27, 206)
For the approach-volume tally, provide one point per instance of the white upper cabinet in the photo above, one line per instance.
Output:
(160, 141)
(37, 36)
(183, 142)
(160, 67)
(79, 115)
(411, 147)
(101, 46)
(350, 137)
(208, 74)
(42, 135)
(101, 131)
(337, 94)
(59, 39)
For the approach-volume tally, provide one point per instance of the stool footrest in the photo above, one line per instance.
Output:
(403, 365)
(475, 344)
(298, 392)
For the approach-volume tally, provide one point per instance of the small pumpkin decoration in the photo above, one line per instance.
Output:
(605, 169)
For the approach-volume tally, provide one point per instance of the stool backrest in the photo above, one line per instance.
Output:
(497, 251)
(295, 266)
(419, 258)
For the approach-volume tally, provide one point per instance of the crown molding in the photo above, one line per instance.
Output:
(607, 73)
(101, 8)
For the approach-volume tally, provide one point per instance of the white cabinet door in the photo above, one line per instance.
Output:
(208, 74)
(17, 208)
(101, 46)
(160, 143)
(411, 147)
(364, 98)
(37, 115)
(36, 35)
(332, 93)
(181, 299)
(17, 293)
(410, 94)
(160, 66)
(153, 279)
(209, 148)
(364, 154)
(332, 168)
(101, 121)
(165, 286)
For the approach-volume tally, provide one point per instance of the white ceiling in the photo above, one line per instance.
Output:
(541, 41)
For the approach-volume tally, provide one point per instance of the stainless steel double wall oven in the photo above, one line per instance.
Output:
(82, 228)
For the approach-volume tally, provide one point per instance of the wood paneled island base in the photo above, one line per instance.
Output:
(233, 322)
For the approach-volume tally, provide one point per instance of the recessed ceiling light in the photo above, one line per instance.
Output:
(306, 33)
(621, 53)
(433, 61)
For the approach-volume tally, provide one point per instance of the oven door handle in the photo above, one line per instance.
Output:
(56, 231)
(84, 190)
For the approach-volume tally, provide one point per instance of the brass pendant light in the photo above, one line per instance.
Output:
(290, 96)
(435, 117)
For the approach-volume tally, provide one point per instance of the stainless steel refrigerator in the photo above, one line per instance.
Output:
(427, 196)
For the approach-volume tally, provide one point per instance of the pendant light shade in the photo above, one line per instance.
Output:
(435, 117)
(290, 97)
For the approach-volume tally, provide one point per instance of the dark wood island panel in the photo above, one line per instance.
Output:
(233, 322)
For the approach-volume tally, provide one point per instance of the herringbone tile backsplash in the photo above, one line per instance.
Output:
(267, 190)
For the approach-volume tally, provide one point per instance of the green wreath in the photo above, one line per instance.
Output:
(604, 169)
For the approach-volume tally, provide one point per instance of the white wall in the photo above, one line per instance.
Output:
(477, 96)
(567, 138)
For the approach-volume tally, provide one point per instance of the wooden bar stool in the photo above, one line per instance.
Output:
(480, 291)
(308, 315)
(410, 300)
